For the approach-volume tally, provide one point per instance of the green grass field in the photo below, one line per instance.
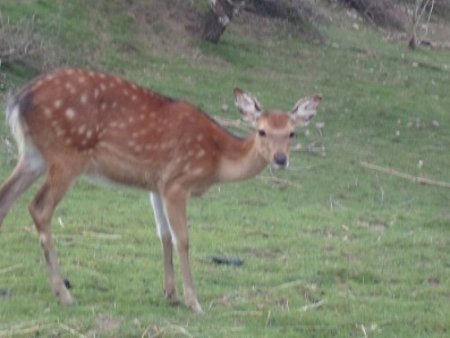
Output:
(332, 249)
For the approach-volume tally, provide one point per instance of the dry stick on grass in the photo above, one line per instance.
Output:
(412, 178)
(277, 180)
(313, 306)
(99, 235)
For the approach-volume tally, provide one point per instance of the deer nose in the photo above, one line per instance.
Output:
(280, 159)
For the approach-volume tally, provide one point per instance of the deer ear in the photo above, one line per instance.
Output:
(305, 109)
(247, 105)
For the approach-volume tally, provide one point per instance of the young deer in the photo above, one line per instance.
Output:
(72, 122)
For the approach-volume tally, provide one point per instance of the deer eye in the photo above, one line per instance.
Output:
(292, 134)
(262, 132)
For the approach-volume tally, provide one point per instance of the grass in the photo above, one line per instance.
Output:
(345, 252)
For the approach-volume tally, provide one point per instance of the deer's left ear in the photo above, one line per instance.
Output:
(305, 109)
(248, 106)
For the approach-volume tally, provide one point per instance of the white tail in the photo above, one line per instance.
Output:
(73, 122)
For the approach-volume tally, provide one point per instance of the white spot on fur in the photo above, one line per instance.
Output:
(81, 129)
(47, 112)
(60, 132)
(70, 113)
(57, 104)
(201, 154)
(37, 85)
(84, 98)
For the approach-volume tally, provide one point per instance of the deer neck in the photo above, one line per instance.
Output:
(240, 160)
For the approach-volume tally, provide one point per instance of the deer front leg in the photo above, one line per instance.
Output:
(175, 199)
(165, 236)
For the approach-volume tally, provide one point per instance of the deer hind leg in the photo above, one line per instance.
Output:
(28, 169)
(175, 206)
(59, 179)
(167, 247)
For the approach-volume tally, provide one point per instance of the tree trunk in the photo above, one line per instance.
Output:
(219, 16)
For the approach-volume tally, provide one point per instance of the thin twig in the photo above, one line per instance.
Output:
(277, 180)
(290, 284)
(412, 178)
(313, 306)
(99, 235)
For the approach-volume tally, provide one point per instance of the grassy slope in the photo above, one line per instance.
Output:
(348, 252)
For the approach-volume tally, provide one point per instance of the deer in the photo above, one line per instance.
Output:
(73, 122)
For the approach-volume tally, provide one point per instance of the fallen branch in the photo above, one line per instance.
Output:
(412, 178)
(100, 235)
(277, 180)
(313, 306)
(290, 284)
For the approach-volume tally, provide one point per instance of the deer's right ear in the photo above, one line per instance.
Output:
(247, 105)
